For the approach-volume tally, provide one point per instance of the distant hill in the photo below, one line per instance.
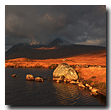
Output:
(62, 49)
(19, 47)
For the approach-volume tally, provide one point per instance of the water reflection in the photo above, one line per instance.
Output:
(66, 93)
(69, 94)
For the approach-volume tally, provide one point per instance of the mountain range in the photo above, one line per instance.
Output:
(58, 48)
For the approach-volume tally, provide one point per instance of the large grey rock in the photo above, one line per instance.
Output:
(65, 70)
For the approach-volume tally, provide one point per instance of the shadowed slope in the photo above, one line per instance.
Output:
(56, 49)
(59, 52)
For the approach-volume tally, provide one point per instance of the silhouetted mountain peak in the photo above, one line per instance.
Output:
(58, 42)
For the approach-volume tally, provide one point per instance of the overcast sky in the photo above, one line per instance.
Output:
(37, 24)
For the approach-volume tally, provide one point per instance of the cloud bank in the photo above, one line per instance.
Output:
(36, 24)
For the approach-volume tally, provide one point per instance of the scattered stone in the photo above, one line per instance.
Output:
(14, 76)
(29, 77)
(74, 82)
(64, 59)
(44, 78)
(94, 91)
(86, 66)
(68, 81)
(56, 76)
(65, 80)
(49, 79)
(87, 85)
(58, 81)
(55, 79)
(90, 88)
(99, 66)
(38, 79)
(81, 85)
(79, 65)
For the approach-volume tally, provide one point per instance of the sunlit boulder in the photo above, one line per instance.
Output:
(66, 71)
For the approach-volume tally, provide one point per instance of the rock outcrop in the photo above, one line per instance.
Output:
(65, 71)
(30, 77)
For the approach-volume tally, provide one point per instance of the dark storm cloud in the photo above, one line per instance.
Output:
(79, 24)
